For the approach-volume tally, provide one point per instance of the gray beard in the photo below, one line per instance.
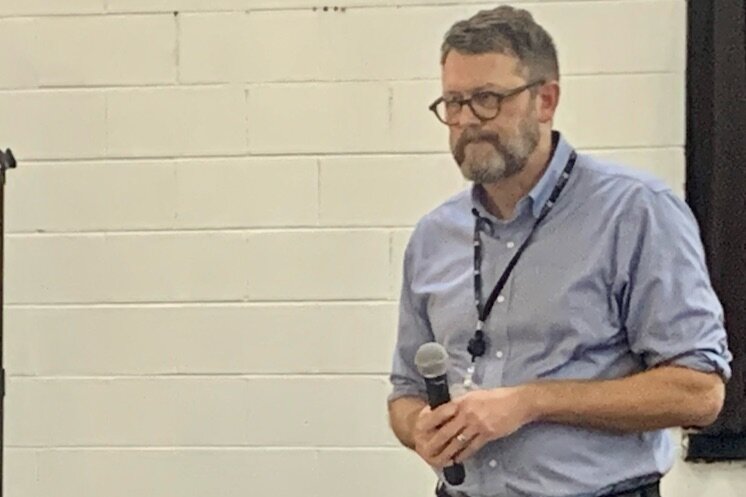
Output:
(498, 166)
(503, 161)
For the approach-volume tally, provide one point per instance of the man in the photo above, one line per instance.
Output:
(605, 332)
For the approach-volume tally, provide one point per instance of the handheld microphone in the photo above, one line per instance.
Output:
(432, 363)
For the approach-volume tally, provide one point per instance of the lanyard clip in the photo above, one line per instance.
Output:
(477, 344)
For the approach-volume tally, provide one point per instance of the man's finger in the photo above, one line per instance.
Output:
(447, 434)
(448, 455)
(471, 448)
(451, 444)
(432, 420)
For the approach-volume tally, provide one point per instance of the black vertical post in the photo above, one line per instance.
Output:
(716, 174)
(7, 161)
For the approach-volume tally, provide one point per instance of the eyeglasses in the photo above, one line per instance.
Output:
(484, 104)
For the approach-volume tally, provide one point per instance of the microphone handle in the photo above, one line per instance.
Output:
(437, 395)
(437, 391)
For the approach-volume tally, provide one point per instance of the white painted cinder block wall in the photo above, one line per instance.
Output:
(206, 228)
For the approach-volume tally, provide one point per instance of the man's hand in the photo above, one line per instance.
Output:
(457, 430)
(429, 442)
(487, 415)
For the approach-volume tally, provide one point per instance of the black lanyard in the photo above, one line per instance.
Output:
(477, 344)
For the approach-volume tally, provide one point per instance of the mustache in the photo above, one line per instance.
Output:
(474, 136)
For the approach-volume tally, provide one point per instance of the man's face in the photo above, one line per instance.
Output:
(488, 151)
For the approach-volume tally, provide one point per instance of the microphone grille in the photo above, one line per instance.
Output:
(431, 360)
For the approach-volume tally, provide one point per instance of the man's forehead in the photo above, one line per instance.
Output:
(466, 72)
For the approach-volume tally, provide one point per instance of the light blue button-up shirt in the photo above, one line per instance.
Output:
(614, 282)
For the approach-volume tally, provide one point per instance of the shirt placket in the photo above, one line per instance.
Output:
(504, 241)
(502, 247)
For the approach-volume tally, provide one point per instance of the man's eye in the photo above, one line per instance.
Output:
(452, 105)
(486, 100)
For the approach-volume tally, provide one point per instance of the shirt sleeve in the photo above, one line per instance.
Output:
(673, 315)
(413, 331)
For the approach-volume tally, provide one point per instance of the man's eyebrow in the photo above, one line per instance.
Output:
(488, 86)
(492, 87)
(485, 87)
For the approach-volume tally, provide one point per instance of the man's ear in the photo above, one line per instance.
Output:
(547, 100)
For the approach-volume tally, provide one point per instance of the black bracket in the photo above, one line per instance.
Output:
(7, 161)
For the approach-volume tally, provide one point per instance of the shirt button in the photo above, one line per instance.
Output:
(500, 299)
(499, 354)
(511, 245)
(493, 463)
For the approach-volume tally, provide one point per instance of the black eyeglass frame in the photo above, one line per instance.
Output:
(468, 101)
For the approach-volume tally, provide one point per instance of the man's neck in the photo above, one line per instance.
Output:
(501, 198)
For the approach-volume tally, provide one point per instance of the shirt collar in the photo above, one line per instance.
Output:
(542, 190)
(540, 193)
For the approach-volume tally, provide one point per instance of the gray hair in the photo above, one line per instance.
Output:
(510, 31)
